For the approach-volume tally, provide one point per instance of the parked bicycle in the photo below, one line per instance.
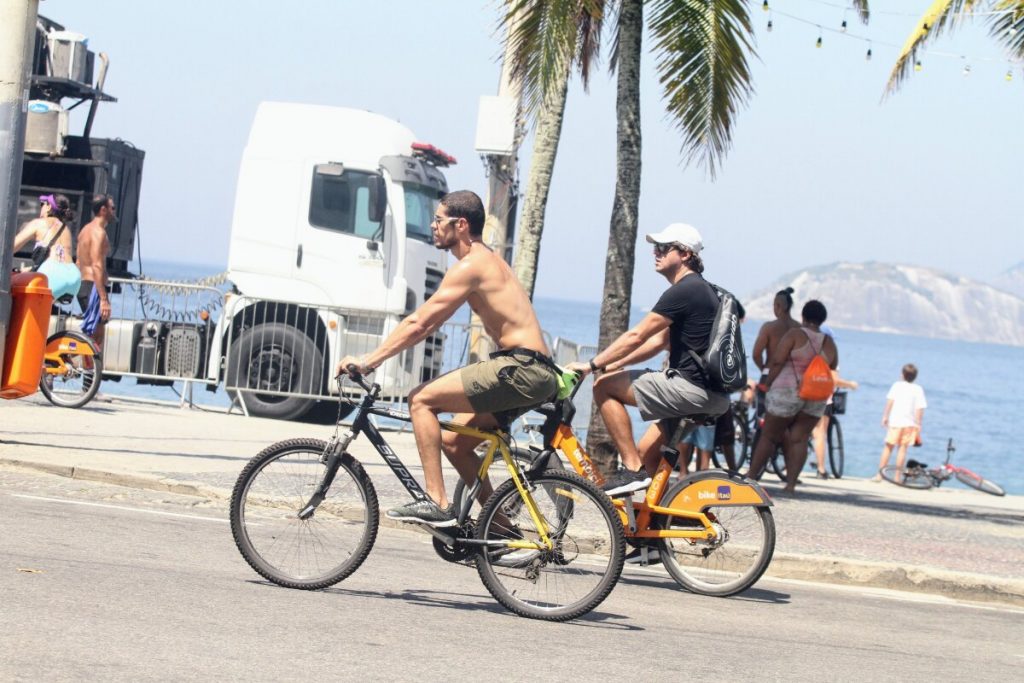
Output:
(917, 475)
(742, 430)
(72, 364)
(712, 530)
(547, 544)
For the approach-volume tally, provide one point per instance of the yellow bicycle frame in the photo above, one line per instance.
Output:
(496, 443)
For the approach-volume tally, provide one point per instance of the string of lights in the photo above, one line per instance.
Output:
(872, 43)
(890, 13)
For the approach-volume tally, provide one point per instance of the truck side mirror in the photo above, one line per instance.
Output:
(378, 203)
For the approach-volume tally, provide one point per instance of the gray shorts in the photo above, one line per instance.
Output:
(786, 402)
(667, 394)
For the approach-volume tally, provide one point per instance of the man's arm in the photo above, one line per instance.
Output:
(650, 348)
(453, 291)
(630, 341)
(98, 256)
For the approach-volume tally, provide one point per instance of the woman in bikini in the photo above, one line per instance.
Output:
(53, 227)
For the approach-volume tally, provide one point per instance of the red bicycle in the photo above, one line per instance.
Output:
(917, 475)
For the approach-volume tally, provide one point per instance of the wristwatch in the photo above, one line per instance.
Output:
(595, 368)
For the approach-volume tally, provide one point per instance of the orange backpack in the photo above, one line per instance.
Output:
(817, 383)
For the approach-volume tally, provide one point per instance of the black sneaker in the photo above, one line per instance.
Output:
(425, 512)
(626, 481)
(637, 556)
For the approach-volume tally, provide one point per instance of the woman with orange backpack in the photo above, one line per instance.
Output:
(798, 384)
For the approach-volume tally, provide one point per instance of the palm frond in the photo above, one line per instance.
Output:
(863, 13)
(943, 15)
(1008, 28)
(546, 37)
(701, 48)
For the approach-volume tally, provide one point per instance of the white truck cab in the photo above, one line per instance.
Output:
(332, 211)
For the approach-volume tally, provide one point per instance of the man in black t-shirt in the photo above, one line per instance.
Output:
(681, 320)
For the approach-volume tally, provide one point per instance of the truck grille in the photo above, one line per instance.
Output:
(432, 282)
(433, 346)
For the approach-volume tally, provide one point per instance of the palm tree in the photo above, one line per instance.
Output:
(1004, 17)
(547, 40)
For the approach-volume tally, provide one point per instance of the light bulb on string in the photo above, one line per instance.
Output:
(967, 70)
(867, 57)
(917, 65)
(843, 26)
(818, 44)
(770, 26)
(764, 5)
(1009, 75)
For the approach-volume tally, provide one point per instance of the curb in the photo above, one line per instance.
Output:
(811, 568)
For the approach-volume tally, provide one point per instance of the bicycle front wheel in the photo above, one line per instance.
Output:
(575, 575)
(975, 481)
(309, 553)
(836, 453)
(742, 448)
(915, 478)
(731, 562)
(76, 383)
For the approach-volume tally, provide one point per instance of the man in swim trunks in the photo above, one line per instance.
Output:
(93, 248)
(518, 376)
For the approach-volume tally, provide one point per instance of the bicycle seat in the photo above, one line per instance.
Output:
(914, 463)
(66, 299)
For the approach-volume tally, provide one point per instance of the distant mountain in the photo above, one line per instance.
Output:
(1011, 280)
(881, 297)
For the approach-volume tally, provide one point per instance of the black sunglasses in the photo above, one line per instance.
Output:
(662, 249)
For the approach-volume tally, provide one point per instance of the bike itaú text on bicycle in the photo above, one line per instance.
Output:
(917, 475)
(72, 364)
(547, 544)
(713, 529)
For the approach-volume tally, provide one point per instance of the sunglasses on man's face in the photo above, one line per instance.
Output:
(662, 249)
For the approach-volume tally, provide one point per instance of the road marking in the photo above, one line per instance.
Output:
(120, 507)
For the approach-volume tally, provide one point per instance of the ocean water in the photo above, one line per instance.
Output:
(971, 388)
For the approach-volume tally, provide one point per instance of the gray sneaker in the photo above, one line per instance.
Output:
(424, 512)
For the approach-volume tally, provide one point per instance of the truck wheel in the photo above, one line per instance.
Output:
(275, 357)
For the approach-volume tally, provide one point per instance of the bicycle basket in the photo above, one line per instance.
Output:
(839, 403)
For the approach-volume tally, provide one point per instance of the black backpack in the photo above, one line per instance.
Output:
(724, 364)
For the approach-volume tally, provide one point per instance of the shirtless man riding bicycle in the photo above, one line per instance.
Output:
(517, 377)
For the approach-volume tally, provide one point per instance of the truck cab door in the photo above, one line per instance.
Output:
(341, 254)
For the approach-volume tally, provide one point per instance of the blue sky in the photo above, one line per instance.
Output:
(821, 170)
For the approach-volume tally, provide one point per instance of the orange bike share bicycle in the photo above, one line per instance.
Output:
(713, 530)
(72, 365)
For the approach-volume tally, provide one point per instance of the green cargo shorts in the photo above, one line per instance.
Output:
(507, 383)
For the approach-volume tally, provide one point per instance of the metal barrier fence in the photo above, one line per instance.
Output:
(274, 357)
(159, 332)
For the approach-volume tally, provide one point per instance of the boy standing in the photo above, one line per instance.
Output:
(904, 411)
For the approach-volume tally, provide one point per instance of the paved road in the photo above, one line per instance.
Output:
(101, 581)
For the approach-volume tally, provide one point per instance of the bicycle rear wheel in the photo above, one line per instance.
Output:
(975, 481)
(310, 553)
(728, 564)
(80, 381)
(574, 576)
(915, 478)
(836, 452)
(742, 448)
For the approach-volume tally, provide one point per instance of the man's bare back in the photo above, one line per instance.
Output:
(769, 337)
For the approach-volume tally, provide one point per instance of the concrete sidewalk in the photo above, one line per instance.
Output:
(954, 542)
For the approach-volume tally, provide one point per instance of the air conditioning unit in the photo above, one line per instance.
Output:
(68, 56)
(46, 128)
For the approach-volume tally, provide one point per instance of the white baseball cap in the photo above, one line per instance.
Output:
(678, 233)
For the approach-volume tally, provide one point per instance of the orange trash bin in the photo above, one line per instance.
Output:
(31, 301)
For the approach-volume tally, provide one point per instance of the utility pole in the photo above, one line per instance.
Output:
(499, 133)
(17, 37)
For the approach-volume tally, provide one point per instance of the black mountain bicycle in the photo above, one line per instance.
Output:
(547, 544)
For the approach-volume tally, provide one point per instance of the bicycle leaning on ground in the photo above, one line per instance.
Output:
(712, 530)
(917, 475)
(72, 364)
(547, 544)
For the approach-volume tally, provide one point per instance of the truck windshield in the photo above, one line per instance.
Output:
(420, 202)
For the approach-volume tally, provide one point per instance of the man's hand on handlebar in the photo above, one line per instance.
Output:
(343, 367)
